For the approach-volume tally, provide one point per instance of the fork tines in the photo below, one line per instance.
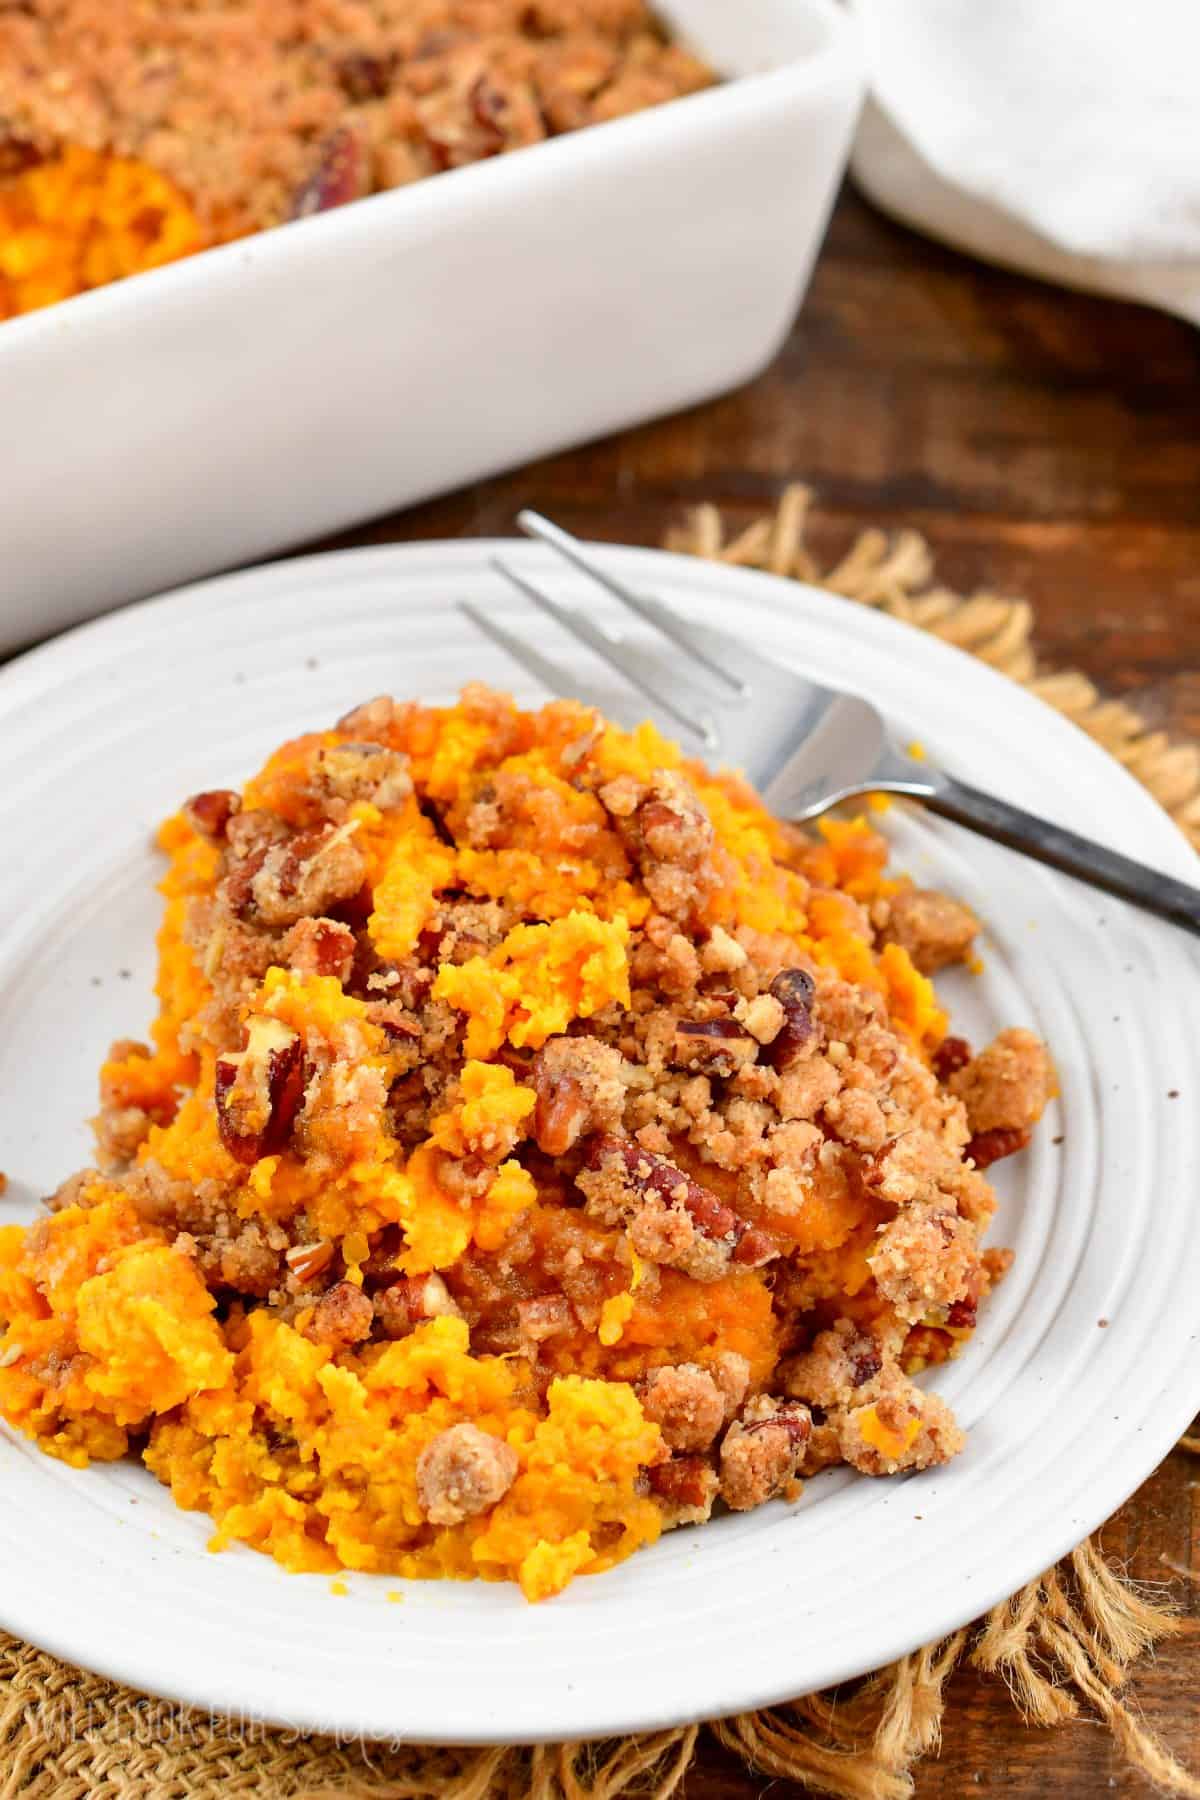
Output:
(685, 703)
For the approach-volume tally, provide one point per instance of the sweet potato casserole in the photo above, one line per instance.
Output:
(133, 132)
(540, 1146)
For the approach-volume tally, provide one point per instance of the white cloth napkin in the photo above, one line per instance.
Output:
(1058, 136)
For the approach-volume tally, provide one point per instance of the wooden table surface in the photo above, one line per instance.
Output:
(1048, 445)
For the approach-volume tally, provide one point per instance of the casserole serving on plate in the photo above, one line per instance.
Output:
(294, 382)
(1063, 1415)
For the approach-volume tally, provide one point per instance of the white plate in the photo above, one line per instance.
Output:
(106, 729)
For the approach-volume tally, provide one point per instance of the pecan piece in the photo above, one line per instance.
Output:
(673, 824)
(16, 155)
(963, 1315)
(669, 834)
(864, 1360)
(754, 1247)
(712, 1046)
(951, 1055)
(793, 988)
(579, 1090)
(395, 1021)
(761, 1454)
(559, 1117)
(788, 1416)
(987, 1147)
(407, 1303)
(307, 1261)
(320, 947)
(306, 876)
(489, 108)
(837, 1362)
(209, 813)
(364, 77)
(672, 1218)
(239, 882)
(871, 1170)
(258, 1090)
(685, 1488)
(340, 175)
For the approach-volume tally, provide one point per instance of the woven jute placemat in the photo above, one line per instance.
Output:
(1063, 1646)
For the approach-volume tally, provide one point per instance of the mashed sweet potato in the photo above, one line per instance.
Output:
(538, 1145)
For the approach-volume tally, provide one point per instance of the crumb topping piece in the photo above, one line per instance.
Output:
(934, 929)
(462, 1473)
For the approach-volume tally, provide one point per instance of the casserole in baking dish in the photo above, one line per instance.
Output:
(172, 125)
(296, 381)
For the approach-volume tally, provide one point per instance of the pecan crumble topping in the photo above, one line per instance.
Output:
(538, 1148)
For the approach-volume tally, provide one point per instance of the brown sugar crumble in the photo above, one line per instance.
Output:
(539, 1147)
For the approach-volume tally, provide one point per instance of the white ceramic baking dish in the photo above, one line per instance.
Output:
(296, 382)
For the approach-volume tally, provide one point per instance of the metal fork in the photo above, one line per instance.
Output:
(804, 747)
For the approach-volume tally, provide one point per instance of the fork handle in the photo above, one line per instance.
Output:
(1066, 850)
